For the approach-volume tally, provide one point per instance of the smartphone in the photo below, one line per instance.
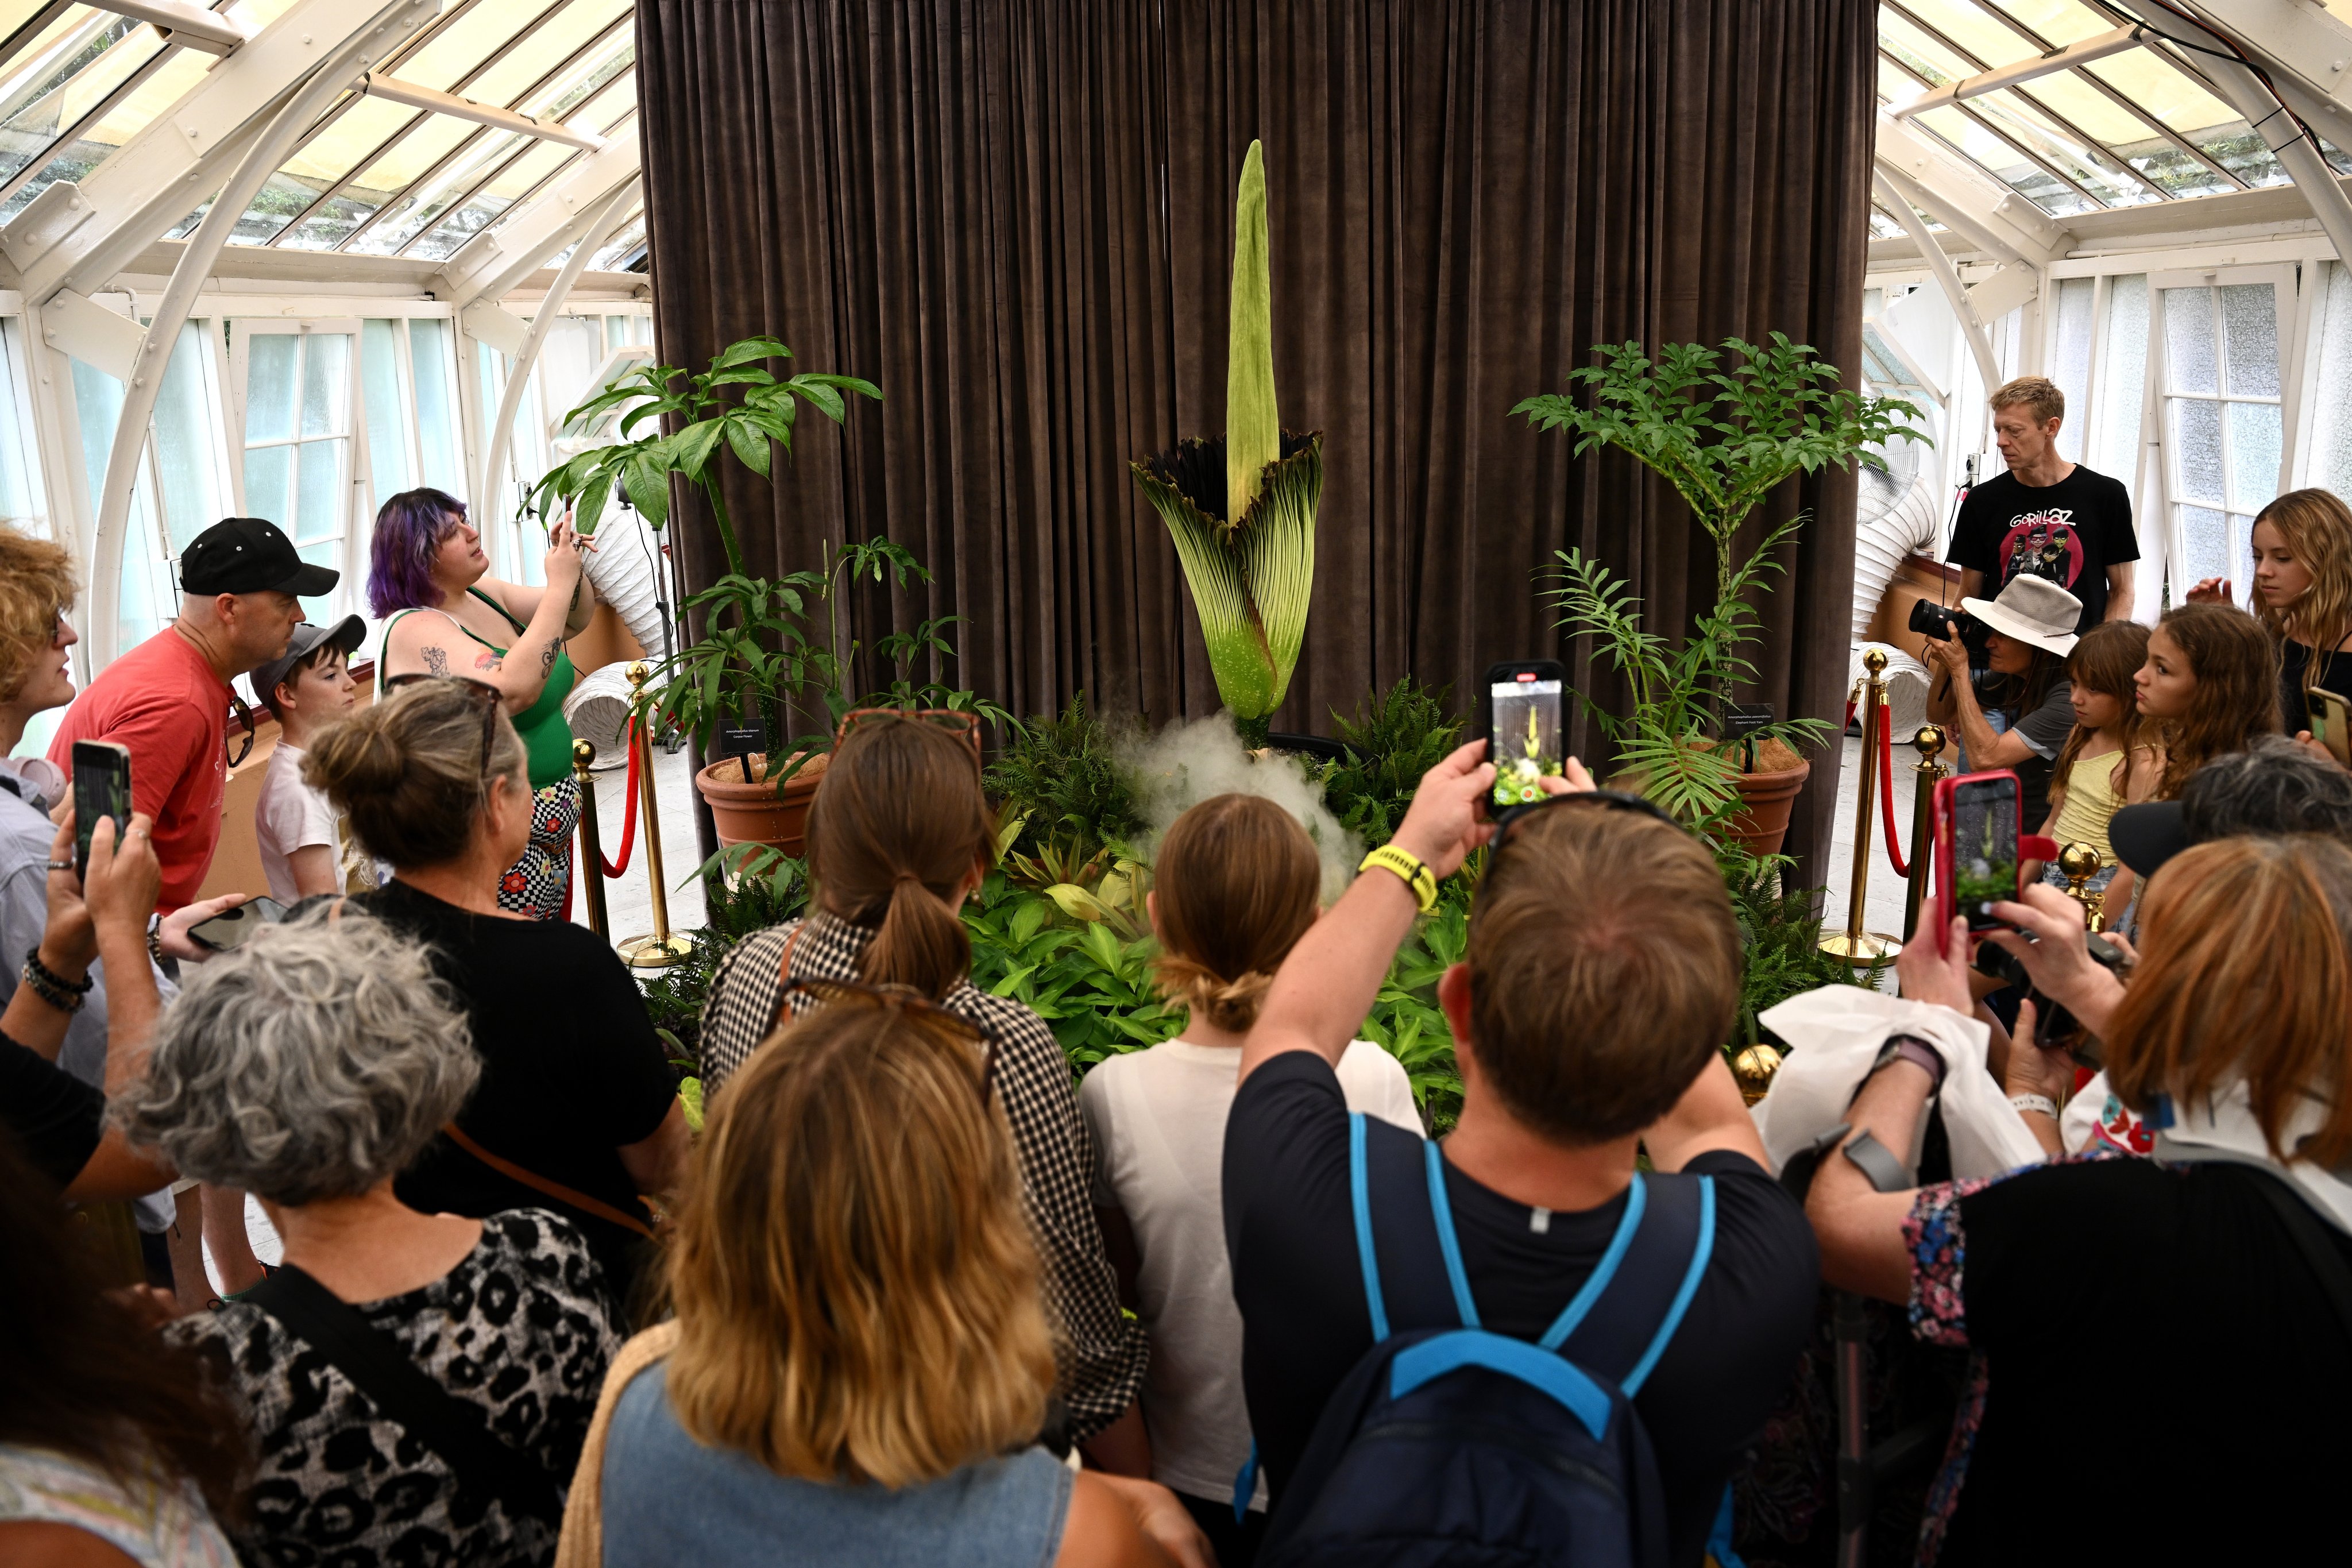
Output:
(229, 927)
(1523, 731)
(101, 786)
(2331, 723)
(1977, 850)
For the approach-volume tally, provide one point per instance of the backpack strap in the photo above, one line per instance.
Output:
(451, 1427)
(1701, 1251)
(1360, 1194)
(1443, 1212)
(1637, 1198)
(1626, 1315)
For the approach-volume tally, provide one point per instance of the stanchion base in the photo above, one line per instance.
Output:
(1860, 953)
(655, 952)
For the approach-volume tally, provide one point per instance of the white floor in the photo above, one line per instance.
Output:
(629, 900)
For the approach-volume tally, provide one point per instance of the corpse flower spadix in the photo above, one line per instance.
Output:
(1241, 505)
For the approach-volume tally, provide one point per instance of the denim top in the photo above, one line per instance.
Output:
(667, 1499)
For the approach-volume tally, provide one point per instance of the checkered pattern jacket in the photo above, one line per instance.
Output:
(1101, 1351)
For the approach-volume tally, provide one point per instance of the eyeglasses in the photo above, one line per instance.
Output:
(1607, 799)
(954, 718)
(912, 1008)
(479, 692)
(243, 715)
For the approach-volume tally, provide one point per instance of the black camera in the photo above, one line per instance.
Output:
(1944, 623)
(2058, 1029)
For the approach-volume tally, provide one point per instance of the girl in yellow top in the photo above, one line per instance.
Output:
(2106, 763)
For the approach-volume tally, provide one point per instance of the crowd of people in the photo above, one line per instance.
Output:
(912, 1296)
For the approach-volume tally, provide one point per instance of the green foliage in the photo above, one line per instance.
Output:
(1060, 779)
(764, 409)
(1252, 424)
(1396, 736)
(746, 888)
(1781, 933)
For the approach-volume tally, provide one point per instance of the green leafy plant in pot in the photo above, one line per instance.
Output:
(1725, 438)
(1241, 507)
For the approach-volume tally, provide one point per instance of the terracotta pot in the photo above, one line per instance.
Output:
(755, 813)
(1767, 800)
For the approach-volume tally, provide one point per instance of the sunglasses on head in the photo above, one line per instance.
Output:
(1508, 820)
(911, 1007)
(480, 692)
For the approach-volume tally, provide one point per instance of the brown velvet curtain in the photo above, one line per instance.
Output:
(1016, 216)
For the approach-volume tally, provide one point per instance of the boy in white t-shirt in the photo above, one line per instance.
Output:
(303, 851)
(1238, 883)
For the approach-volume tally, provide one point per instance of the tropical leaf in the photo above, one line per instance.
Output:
(1253, 424)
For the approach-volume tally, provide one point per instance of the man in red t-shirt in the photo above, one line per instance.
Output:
(168, 698)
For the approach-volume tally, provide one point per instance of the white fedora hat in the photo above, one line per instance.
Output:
(2031, 610)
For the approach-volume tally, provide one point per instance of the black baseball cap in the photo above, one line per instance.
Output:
(2145, 836)
(248, 555)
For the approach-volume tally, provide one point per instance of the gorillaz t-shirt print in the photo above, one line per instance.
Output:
(2069, 532)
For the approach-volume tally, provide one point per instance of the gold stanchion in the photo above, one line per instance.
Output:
(660, 950)
(1929, 743)
(1862, 949)
(2080, 862)
(591, 848)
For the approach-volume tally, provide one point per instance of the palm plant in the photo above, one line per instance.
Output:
(1241, 507)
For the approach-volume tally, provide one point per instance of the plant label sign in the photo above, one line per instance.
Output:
(1743, 720)
(743, 743)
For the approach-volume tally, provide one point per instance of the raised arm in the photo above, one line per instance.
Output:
(1327, 984)
(1952, 700)
(429, 643)
(119, 892)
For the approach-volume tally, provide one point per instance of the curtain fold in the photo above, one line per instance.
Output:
(1016, 216)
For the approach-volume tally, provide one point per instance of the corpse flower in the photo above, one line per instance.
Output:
(1241, 505)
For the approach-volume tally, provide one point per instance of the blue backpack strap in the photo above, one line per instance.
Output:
(1636, 1200)
(1443, 1212)
(1245, 1486)
(1359, 1192)
(1719, 1549)
(1700, 1252)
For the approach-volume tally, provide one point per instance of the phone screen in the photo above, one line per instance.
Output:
(1525, 743)
(101, 785)
(1984, 847)
(2330, 722)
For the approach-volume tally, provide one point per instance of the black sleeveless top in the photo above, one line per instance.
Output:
(2295, 674)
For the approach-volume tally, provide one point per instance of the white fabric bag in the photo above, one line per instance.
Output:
(1834, 1034)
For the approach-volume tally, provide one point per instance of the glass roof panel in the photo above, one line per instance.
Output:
(518, 175)
(423, 203)
(628, 245)
(455, 52)
(566, 34)
(2004, 163)
(1973, 29)
(2085, 162)
(2059, 21)
(1924, 56)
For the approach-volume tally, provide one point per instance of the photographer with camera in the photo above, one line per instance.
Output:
(2020, 711)
(2235, 1240)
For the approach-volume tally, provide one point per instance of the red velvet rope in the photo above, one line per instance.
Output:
(628, 816)
(1887, 800)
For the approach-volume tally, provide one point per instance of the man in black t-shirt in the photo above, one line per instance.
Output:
(2045, 517)
(1604, 967)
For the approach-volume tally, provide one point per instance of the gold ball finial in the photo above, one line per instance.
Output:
(1931, 741)
(1874, 659)
(638, 672)
(2079, 861)
(1753, 1069)
(584, 754)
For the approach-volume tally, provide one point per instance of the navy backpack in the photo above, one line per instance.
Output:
(1450, 1444)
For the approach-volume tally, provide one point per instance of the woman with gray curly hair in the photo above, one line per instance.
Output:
(308, 1068)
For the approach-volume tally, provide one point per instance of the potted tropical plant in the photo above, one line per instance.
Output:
(1724, 438)
(758, 657)
(1241, 505)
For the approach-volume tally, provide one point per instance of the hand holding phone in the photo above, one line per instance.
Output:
(1978, 854)
(101, 788)
(2331, 724)
(1523, 737)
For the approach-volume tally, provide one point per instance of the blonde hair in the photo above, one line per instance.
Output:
(1237, 884)
(2317, 526)
(858, 1294)
(2245, 978)
(37, 583)
(2038, 392)
(408, 772)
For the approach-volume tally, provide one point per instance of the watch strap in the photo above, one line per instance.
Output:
(1876, 1161)
(1919, 1052)
(2040, 1102)
(1409, 869)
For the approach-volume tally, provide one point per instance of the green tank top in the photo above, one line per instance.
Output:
(546, 734)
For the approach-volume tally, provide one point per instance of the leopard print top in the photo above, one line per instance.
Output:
(518, 1327)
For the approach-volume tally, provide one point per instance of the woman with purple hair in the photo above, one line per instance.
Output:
(502, 636)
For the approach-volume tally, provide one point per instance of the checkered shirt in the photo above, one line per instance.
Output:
(1102, 1352)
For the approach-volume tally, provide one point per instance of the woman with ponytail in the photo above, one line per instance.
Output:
(898, 836)
(577, 1109)
(1237, 884)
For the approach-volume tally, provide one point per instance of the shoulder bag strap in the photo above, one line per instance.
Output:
(2314, 1239)
(569, 1196)
(783, 981)
(399, 1388)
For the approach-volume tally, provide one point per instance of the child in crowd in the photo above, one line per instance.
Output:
(303, 847)
(2106, 763)
(1238, 884)
(2209, 685)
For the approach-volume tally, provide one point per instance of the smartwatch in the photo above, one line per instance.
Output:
(1909, 1048)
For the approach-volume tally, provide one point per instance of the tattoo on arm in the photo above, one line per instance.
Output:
(547, 659)
(487, 660)
(437, 660)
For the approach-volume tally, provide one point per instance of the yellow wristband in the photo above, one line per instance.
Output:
(1416, 876)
